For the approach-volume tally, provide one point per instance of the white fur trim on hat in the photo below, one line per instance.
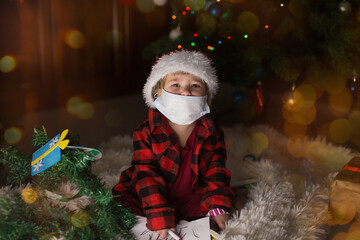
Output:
(192, 62)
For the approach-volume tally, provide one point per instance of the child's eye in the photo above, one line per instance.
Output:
(196, 86)
(175, 85)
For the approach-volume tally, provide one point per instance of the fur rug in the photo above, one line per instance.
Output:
(276, 209)
(289, 200)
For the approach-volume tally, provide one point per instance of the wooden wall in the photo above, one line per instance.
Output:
(49, 71)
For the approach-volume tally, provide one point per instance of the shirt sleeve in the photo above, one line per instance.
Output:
(216, 192)
(149, 184)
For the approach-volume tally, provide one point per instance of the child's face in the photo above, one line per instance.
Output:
(184, 84)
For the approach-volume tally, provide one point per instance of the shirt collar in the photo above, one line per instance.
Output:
(156, 119)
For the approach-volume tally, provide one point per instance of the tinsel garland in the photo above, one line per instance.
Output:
(291, 38)
(21, 219)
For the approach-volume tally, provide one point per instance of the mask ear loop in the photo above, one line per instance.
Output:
(155, 95)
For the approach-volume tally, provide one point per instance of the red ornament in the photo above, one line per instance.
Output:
(259, 98)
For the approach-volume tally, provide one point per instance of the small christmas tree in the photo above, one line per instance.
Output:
(66, 201)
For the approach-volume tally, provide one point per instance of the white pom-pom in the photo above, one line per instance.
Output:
(175, 33)
(160, 3)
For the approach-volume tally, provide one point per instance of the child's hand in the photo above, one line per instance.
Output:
(221, 220)
(164, 232)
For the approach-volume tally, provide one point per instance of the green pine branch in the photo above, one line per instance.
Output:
(20, 220)
(301, 35)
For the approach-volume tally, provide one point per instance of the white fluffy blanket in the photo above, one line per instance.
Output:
(290, 198)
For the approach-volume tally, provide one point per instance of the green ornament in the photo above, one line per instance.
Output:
(80, 219)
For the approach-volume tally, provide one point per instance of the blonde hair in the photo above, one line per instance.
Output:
(160, 85)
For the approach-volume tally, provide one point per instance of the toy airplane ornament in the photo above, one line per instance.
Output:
(50, 153)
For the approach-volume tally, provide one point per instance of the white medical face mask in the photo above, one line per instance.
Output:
(180, 109)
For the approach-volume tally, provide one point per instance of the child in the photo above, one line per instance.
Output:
(178, 165)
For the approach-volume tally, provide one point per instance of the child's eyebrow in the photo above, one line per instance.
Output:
(198, 80)
(173, 79)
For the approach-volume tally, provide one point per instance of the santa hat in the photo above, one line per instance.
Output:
(192, 62)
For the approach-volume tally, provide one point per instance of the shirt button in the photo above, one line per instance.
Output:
(173, 169)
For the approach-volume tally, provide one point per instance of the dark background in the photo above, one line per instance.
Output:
(49, 72)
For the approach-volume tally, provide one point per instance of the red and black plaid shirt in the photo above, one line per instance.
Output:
(156, 161)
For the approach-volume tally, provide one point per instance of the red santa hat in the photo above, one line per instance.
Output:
(193, 62)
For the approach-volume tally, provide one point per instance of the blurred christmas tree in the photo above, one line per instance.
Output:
(246, 38)
(66, 201)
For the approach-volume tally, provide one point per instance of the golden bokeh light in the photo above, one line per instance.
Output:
(354, 235)
(87, 111)
(80, 108)
(294, 129)
(145, 5)
(7, 64)
(292, 100)
(80, 219)
(305, 116)
(340, 104)
(156, 18)
(340, 130)
(195, 5)
(258, 142)
(308, 93)
(248, 22)
(297, 145)
(13, 135)
(29, 195)
(72, 104)
(342, 212)
(74, 39)
(114, 38)
(354, 119)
